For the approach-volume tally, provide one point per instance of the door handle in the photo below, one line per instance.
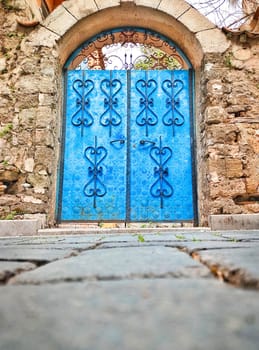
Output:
(121, 141)
(143, 142)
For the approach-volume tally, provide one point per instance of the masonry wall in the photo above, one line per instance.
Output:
(227, 125)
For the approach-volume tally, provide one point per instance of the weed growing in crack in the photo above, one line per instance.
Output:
(180, 236)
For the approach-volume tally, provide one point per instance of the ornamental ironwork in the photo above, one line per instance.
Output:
(128, 49)
(110, 117)
(146, 117)
(82, 117)
(173, 117)
(95, 156)
(161, 188)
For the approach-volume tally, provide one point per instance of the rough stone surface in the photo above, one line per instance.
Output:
(234, 222)
(173, 7)
(137, 262)
(19, 227)
(148, 296)
(10, 268)
(33, 254)
(227, 264)
(141, 314)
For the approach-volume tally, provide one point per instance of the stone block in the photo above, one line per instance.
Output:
(19, 227)
(234, 167)
(174, 8)
(234, 222)
(43, 37)
(214, 115)
(81, 8)
(148, 3)
(217, 165)
(59, 21)
(102, 4)
(195, 21)
(228, 188)
(213, 40)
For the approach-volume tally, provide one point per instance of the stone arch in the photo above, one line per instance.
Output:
(73, 23)
(178, 20)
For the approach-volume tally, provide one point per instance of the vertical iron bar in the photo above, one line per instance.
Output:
(193, 147)
(110, 106)
(172, 101)
(128, 157)
(83, 105)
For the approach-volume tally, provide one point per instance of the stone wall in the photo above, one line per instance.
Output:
(28, 130)
(230, 130)
(227, 124)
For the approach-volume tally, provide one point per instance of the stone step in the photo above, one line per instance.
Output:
(26, 227)
(234, 222)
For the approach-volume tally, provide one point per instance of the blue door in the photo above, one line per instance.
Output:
(127, 147)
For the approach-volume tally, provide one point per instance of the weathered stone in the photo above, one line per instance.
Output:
(102, 4)
(37, 180)
(2, 64)
(213, 40)
(10, 268)
(148, 3)
(195, 22)
(16, 228)
(173, 7)
(139, 262)
(44, 137)
(29, 165)
(81, 9)
(214, 115)
(27, 117)
(164, 304)
(9, 175)
(227, 188)
(234, 167)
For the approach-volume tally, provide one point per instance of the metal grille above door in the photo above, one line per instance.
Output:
(127, 146)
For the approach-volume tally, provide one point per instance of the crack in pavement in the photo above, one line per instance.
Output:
(235, 276)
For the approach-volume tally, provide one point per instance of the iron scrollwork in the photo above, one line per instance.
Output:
(110, 117)
(161, 188)
(82, 117)
(128, 48)
(146, 117)
(95, 187)
(173, 117)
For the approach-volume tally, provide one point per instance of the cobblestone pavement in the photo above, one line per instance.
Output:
(184, 289)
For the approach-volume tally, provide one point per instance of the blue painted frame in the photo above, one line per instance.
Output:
(191, 86)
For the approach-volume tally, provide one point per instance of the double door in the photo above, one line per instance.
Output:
(127, 147)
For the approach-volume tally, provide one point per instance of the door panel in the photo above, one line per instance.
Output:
(161, 172)
(127, 149)
(94, 181)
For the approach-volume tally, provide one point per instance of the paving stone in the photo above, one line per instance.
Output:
(240, 266)
(242, 235)
(27, 254)
(156, 314)
(205, 245)
(140, 262)
(9, 268)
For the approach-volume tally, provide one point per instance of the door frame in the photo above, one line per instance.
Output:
(192, 131)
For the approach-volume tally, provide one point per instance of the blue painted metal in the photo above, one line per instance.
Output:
(161, 164)
(146, 116)
(128, 164)
(95, 156)
(110, 88)
(94, 170)
(82, 116)
(161, 188)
